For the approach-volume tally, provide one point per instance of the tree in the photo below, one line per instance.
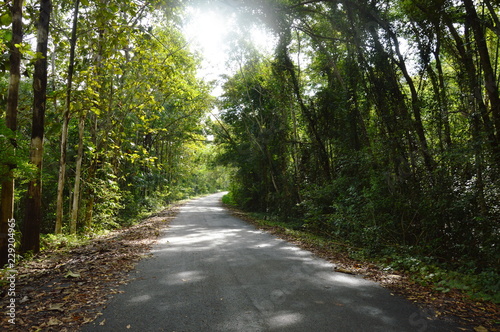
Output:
(7, 192)
(66, 118)
(392, 129)
(33, 210)
(132, 84)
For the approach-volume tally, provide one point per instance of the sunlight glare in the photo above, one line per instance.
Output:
(206, 31)
(209, 33)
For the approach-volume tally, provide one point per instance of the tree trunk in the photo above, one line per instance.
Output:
(78, 176)
(416, 124)
(465, 56)
(30, 240)
(490, 81)
(7, 194)
(288, 67)
(494, 17)
(66, 118)
(445, 113)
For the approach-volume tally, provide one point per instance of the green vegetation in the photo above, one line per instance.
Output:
(422, 270)
(123, 126)
(376, 124)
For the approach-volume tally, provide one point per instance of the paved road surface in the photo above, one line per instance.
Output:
(213, 272)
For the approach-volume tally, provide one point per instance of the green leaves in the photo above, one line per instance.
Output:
(369, 125)
(6, 35)
(5, 18)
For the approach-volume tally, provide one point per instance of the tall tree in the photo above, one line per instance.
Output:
(65, 124)
(489, 76)
(30, 240)
(7, 195)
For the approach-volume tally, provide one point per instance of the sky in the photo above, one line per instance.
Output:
(209, 33)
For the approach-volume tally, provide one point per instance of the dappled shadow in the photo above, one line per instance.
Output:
(213, 272)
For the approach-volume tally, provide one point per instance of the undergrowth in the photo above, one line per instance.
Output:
(483, 285)
(479, 285)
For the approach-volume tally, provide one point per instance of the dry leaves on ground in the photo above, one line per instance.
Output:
(60, 291)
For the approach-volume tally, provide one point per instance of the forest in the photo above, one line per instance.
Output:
(375, 123)
(105, 95)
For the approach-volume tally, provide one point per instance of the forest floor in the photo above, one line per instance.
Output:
(60, 290)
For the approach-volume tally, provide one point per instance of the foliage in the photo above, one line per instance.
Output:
(483, 285)
(228, 199)
(137, 115)
(376, 124)
(50, 242)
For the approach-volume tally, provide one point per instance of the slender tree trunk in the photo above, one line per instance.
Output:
(445, 114)
(390, 105)
(287, 66)
(415, 100)
(465, 56)
(479, 163)
(66, 118)
(494, 17)
(7, 194)
(89, 212)
(30, 240)
(104, 101)
(89, 209)
(490, 81)
(78, 176)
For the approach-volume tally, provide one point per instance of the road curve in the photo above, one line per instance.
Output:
(211, 271)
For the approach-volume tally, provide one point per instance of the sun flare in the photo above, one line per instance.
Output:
(209, 33)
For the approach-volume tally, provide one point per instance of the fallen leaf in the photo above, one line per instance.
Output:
(71, 274)
(103, 321)
(54, 321)
(56, 307)
(480, 328)
(342, 270)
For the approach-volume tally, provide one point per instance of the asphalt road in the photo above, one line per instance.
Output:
(213, 272)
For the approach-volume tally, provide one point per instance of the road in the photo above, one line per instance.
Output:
(211, 271)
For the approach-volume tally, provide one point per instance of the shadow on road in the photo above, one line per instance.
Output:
(213, 272)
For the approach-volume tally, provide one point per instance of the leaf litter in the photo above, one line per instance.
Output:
(61, 290)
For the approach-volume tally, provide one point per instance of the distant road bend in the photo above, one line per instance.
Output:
(211, 271)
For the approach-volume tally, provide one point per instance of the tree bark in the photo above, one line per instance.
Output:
(417, 124)
(445, 113)
(288, 67)
(66, 118)
(490, 81)
(7, 194)
(78, 176)
(465, 57)
(30, 240)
